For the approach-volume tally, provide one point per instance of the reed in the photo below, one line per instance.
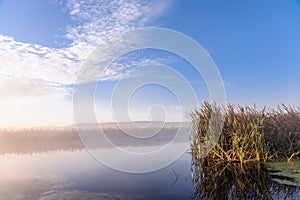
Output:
(240, 140)
(248, 134)
(282, 132)
(230, 147)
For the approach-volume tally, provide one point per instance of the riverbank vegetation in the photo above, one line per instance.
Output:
(241, 152)
(241, 134)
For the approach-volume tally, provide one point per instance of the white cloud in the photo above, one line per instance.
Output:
(34, 73)
(102, 19)
(32, 61)
(98, 20)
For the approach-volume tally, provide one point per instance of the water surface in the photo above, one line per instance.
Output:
(57, 166)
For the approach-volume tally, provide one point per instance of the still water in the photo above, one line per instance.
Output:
(76, 175)
(36, 171)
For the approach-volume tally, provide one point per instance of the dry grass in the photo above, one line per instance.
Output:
(240, 140)
(282, 132)
(233, 167)
(248, 134)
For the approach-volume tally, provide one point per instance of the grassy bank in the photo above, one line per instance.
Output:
(248, 133)
(231, 148)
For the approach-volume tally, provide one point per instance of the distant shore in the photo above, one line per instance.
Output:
(31, 140)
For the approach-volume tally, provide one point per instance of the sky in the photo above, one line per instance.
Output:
(43, 45)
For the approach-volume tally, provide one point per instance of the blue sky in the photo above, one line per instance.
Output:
(254, 43)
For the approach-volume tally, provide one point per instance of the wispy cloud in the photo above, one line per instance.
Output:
(32, 61)
(24, 87)
(102, 19)
(44, 69)
(35, 80)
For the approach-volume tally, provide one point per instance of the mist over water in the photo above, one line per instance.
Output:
(53, 164)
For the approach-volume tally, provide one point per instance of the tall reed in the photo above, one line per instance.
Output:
(282, 132)
(241, 139)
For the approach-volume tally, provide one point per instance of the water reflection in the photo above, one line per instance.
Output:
(54, 165)
(76, 175)
(213, 180)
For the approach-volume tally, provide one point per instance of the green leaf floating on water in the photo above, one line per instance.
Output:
(285, 173)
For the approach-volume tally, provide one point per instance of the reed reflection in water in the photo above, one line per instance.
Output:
(212, 180)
